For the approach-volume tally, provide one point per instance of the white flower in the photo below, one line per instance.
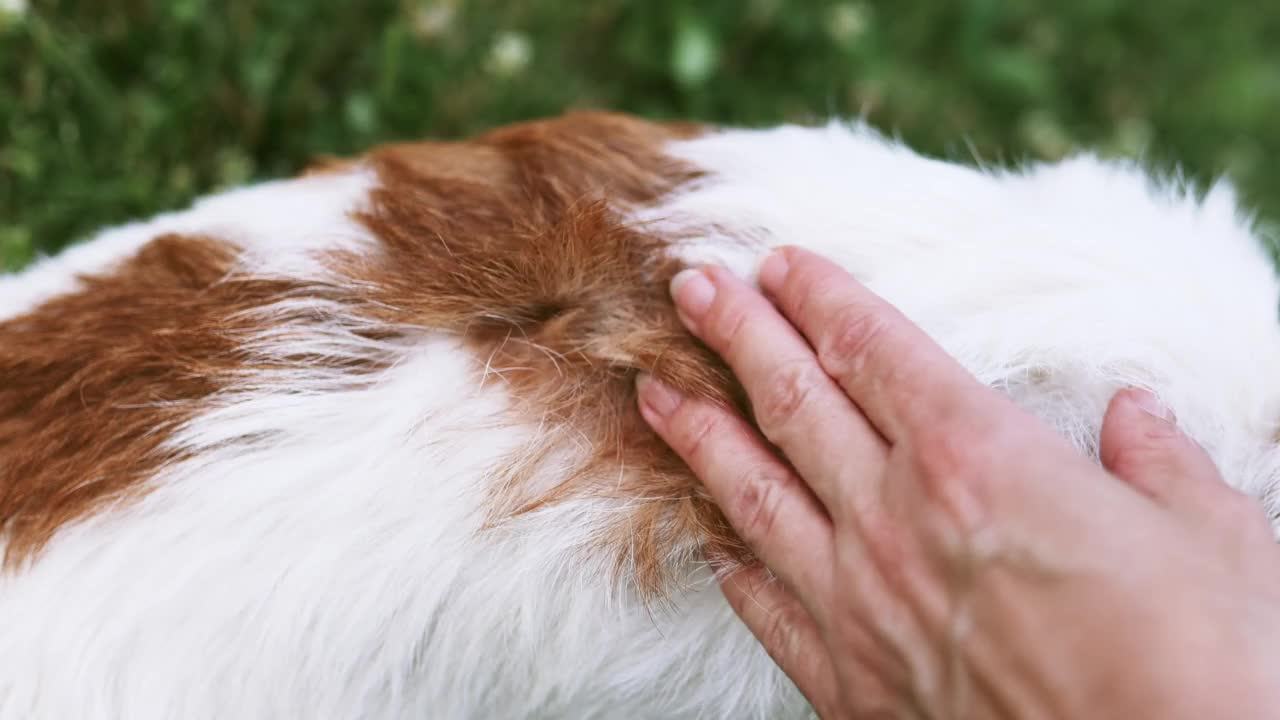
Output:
(13, 7)
(432, 20)
(510, 54)
(847, 22)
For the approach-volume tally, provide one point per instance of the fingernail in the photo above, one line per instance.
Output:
(1150, 404)
(656, 395)
(773, 270)
(693, 292)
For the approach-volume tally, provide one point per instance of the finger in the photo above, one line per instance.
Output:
(773, 512)
(795, 641)
(1142, 445)
(786, 630)
(798, 407)
(900, 378)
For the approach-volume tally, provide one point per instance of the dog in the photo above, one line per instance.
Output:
(364, 443)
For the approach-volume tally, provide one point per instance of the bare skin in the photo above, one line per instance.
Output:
(930, 550)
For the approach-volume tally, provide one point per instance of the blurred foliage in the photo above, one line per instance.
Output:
(114, 110)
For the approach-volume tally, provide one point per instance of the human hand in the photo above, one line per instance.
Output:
(933, 551)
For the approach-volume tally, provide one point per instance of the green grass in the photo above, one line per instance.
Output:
(114, 110)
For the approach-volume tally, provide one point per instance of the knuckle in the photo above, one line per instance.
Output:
(745, 589)
(779, 631)
(1125, 460)
(959, 472)
(1155, 448)
(884, 540)
(806, 287)
(854, 337)
(949, 454)
(790, 387)
(757, 504)
(695, 427)
(726, 326)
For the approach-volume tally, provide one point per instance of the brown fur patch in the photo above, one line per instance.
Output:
(513, 241)
(93, 382)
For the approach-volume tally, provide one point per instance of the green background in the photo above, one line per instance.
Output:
(114, 109)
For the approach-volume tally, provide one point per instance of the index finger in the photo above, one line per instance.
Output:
(901, 379)
(772, 510)
(796, 405)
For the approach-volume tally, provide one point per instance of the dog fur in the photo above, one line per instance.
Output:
(364, 443)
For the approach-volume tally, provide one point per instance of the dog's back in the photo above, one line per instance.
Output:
(364, 444)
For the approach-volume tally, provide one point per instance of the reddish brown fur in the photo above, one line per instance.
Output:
(512, 240)
(93, 382)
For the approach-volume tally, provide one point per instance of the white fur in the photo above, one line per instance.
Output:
(323, 556)
(280, 223)
(1060, 284)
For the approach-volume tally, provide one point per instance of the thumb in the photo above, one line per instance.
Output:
(1142, 445)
